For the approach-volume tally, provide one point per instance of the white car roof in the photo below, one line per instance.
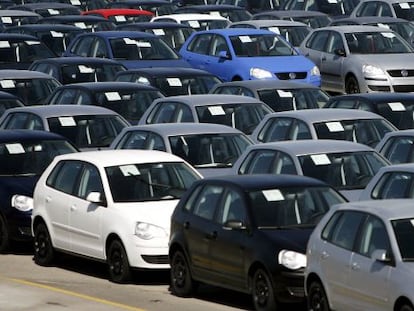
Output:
(189, 17)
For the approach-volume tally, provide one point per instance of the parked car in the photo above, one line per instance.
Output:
(172, 81)
(87, 127)
(133, 49)
(359, 257)
(293, 32)
(247, 233)
(240, 112)
(397, 147)
(340, 124)
(245, 54)
(24, 155)
(278, 95)
(395, 107)
(313, 19)
(393, 8)
(346, 166)
(331, 7)
(231, 12)
(196, 21)
(120, 208)
(212, 149)
(17, 17)
(31, 87)
(87, 22)
(79, 69)
(359, 59)
(46, 9)
(7, 101)
(157, 7)
(121, 16)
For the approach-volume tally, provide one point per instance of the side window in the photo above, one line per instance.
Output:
(232, 90)
(26, 121)
(207, 201)
(64, 176)
(162, 113)
(399, 150)
(384, 9)
(183, 114)
(275, 129)
(284, 165)
(218, 44)
(367, 9)
(394, 185)
(64, 97)
(344, 103)
(99, 49)
(200, 44)
(344, 231)
(373, 237)
(84, 98)
(259, 162)
(83, 46)
(90, 181)
(232, 208)
(155, 142)
(133, 140)
(318, 40)
(334, 42)
(300, 131)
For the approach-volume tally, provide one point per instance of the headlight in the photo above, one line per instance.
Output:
(373, 71)
(147, 231)
(22, 202)
(315, 71)
(258, 73)
(292, 260)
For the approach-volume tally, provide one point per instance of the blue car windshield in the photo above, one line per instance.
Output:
(261, 46)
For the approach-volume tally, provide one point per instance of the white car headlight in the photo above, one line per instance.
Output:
(292, 260)
(373, 71)
(259, 73)
(315, 71)
(148, 231)
(22, 202)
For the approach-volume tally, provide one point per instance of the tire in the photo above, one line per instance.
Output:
(182, 283)
(262, 291)
(351, 85)
(4, 235)
(406, 307)
(44, 253)
(317, 299)
(118, 264)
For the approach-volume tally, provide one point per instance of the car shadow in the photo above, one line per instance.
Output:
(20, 248)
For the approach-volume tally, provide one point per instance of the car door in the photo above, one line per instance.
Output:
(197, 51)
(218, 64)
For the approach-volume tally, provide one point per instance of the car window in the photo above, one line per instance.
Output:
(399, 149)
(90, 181)
(207, 201)
(374, 236)
(334, 43)
(64, 176)
(141, 140)
(232, 207)
(170, 112)
(83, 46)
(64, 97)
(367, 9)
(218, 44)
(384, 10)
(404, 233)
(317, 41)
(267, 162)
(200, 44)
(394, 185)
(279, 129)
(22, 120)
(99, 49)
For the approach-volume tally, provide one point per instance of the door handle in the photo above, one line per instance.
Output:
(324, 255)
(355, 266)
(186, 225)
(48, 199)
(73, 208)
(212, 235)
(323, 58)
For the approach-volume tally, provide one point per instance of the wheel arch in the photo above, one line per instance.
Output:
(253, 267)
(112, 237)
(401, 301)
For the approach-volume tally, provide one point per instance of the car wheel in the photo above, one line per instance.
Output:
(317, 299)
(262, 291)
(182, 284)
(351, 85)
(119, 269)
(406, 307)
(4, 235)
(44, 254)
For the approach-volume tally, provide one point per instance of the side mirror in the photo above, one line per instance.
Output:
(223, 55)
(340, 52)
(96, 198)
(234, 225)
(381, 256)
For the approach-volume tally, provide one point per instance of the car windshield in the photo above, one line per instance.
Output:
(125, 18)
(206, 24)
(404, 234)
(185, 85)
(344, 171)
(141, 49)
(404, 29)
(404, 10)
(260, 46)
(8, 21)
(364, 131)
(293, 99)
(73, 73)
(88, 131)
(243, 117)
(384, 42)
(30, 157)
(57, 41)
(294, 35)
(209, 150)
(149, 181)
(23, 51)
(288, 207)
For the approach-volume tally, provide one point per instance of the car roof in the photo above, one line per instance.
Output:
(19, 135)
(269, 23)
(371, 19)
(174, 129)
(190, 16)
(109, 34)
(213, 7)
(238, 31)
(108, 86)
(292, 13)
(409, 132)
(105, 158)
(388, 1)
(269, 84)
(18, 37)
(78, 60)
(354, 28)
(312, 146)
(167, 71)
(80, 18)
(14, 13)
(46, 27)
(209, 99)
(47, 5)
(379, 96)
(403, 167)
(49, 111)
(151, 25)
(7, 95)
(112, 12)
(23, 74)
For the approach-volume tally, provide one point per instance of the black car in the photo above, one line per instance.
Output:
(86, 22)
(46, 9)
(330, 7)
(395, 107)
(7, 101)
(247, 233)
(172, 81)
(24, 155)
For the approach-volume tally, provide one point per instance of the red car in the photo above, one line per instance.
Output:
(119, 16)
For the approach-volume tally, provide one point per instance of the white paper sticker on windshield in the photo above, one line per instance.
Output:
(404, 5)
(128, 170)
(216, 110)
(29, 42)
(112, 96)
(38, 148)
(14, 148)
(396, 106)
(130, 41)
(284, 93)
(53, 12)
(320, 159)
(80, 25)
(143, 80)
(174, 82)
(245, 39)
(7, 84)
(332, 1)
(389, 35)
(6, 20)
(75, 2)
(120, 18)
(383, 25)
(273, 195)
(158, 32)
(4, 44)
(215, 13)
(143, 44)
(194, 24)
(56, 34)
(85, 69)
(67, 121)
(274, 29)
(334, 126)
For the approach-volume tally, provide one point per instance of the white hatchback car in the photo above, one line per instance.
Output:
(109, 205)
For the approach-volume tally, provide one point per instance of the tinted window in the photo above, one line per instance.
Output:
(399, 150)
(207, 201)
(64, 176)
(394, 185)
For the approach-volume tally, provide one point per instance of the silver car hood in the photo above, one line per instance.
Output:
(388, 61)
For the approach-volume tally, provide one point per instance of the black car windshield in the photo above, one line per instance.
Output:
(384, 42)
(404, 10)
(30, 157)
(75, 73)
(284, 207)
(149, 181)
(261, 46)
(404, 234)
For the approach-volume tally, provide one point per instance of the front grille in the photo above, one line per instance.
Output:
(287, 75)
(401, 73)
(403, 88)
(156, 259)
(379, 88)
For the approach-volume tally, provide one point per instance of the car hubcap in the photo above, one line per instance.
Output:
(261, 289)
(179, 272)
(317, 301)
(116, 265)
(40, 245)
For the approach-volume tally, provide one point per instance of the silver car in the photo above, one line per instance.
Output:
(360, 257)
(393, 8)
(397, 147)
(358, 59)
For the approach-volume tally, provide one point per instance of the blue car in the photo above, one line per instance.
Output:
(248, 54)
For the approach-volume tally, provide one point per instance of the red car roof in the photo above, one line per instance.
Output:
(115, 12)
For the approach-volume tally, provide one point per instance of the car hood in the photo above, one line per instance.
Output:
(296, 63)
(23, 185)
(136, 64)
(293, 238)
(388, 61)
